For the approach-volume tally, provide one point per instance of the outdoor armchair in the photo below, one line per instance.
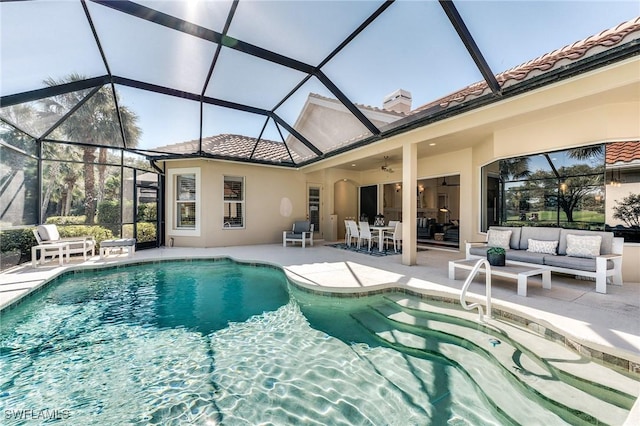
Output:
(301, 233)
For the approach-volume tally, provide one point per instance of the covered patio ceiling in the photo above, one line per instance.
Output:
(278, 82)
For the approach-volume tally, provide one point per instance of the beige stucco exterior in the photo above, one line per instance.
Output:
(600, 106)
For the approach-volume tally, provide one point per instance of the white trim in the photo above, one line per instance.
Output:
(172, 230)
(242, 202)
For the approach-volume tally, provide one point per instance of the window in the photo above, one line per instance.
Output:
(233, 216)
(184, 187)
(585, 188)
(186, 201)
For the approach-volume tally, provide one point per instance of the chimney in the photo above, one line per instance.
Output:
(399, 101)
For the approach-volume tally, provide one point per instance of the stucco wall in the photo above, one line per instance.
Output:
(563, 130)
(265, 188)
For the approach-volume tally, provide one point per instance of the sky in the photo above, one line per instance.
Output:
(411, 46)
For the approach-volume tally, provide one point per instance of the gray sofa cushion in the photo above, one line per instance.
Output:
(605, 246)
(581, 263)
(538, 233)
(526, 256)
(301, 226)
(478, 251)
(515, 234)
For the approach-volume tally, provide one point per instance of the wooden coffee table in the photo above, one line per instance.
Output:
(510, 270)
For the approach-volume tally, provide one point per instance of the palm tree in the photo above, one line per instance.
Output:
(586, 152)
(95, 123)
(514, 168)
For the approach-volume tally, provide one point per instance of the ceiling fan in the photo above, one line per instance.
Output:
(444, 182)
(385, 167)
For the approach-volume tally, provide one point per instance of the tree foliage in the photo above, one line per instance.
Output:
(628, 210)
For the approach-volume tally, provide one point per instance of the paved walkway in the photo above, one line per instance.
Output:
(607, 322)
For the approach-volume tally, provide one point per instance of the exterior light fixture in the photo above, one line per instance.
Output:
(615, 181)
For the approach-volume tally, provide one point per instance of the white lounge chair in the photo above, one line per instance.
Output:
(301, 233)
(48, 234)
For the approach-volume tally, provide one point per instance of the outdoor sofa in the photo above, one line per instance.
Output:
(594, 254)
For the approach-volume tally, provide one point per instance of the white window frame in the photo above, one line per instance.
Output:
(241, 201)
(172, 213)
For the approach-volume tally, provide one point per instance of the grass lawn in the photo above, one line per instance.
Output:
(584, 216)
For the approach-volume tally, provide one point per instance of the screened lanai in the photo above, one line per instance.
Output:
(94, 95)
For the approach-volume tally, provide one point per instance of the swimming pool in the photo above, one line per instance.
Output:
(219, 342)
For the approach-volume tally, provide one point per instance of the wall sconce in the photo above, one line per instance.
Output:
(420, 189)
(615, 182)
(398, 187)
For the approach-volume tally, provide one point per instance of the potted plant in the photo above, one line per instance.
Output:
(496, 256)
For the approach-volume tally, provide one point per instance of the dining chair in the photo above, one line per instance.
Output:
(352, 227)
(347, 233)
(396, 237)
(365, 234)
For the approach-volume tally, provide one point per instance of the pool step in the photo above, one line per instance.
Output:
(502, 370)
(486, 375)
(582, 372)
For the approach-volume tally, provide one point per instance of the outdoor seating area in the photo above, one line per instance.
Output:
(49, 243)
(594, 254)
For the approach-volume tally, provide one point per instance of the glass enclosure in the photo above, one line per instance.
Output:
(593, 187)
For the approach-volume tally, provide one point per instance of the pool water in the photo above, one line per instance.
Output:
(216, 343)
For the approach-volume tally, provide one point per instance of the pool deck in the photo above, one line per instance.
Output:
(607, 322)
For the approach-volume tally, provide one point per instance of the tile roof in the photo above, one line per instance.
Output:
(622, 152)
(230, 145)
(558, 58)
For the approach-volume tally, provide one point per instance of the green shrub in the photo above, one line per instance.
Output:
(17, 239)
(146, 232)
(109, 215)
(100, 233)
(66, 220)
(147, 212)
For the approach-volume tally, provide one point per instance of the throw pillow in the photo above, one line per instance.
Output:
(546, 247)
(496, 238)
(583, 245)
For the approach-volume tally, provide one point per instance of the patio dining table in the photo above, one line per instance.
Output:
(381, 230)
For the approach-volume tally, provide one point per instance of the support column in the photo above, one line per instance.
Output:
(409, 203)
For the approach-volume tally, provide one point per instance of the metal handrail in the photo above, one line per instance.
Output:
(467, 283)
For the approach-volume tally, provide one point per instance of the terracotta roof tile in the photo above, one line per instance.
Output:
(231, 145)
(558, 58)
(622, 152)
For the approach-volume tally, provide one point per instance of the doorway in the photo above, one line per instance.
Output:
(368, 202)
(313, 207)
